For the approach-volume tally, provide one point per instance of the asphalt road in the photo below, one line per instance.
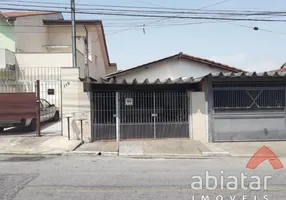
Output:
(113, 178)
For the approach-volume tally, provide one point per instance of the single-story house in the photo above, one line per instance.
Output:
(182, 96)
(220, 107)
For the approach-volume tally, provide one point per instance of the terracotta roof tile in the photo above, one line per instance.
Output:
(211, 63)
(185, 56)
(280, 70)
(26, 13)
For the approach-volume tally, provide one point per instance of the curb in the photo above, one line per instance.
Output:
(89, 153)
(30, 154)
(165, 157)
(216, 154)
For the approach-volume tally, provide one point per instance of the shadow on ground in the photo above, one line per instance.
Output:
(47, 128)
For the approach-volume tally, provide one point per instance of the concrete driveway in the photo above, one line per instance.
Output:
(49, 145)
(47, 129)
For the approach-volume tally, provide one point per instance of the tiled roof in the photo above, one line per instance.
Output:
(180, 80)
(184, 56)
(26, 13)
(186, 80)
(247, 74)
(280, 70)
(211, 63)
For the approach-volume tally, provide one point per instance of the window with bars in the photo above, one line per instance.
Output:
(249, 99)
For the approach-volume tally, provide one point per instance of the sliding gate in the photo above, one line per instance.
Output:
(141, 115)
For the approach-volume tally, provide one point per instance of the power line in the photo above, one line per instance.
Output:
(258, 29)
(102, 5)
(154, 16)
(147, 3)
(176, 17)
(135, 7)
(215, 4)
(159, 12)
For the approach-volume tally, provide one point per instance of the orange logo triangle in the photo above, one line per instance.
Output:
(264, 154)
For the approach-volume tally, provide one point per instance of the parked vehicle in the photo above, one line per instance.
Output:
(49, 112)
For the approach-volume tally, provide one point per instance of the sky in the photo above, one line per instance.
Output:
(222, 42)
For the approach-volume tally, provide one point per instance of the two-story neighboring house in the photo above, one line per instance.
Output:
(38, 46)
(43, 40)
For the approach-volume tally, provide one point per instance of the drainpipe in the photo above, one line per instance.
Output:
(86, 51)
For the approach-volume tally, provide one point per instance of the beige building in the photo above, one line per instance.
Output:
(38, 46)
(43, 39)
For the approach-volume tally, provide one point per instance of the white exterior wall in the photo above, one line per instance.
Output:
(199, 116)
(62, 36)
(44, 59)
(31, 34)
(6, 57)
(2, 59)
(173, 69)
(10, 57)
(99, 69)
(76, 104)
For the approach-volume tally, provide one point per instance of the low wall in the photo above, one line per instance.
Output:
(199, 117)
(75, 104)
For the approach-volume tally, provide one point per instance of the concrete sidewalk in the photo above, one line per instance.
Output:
(163, 148)
(177, 148)
(146, 148)
(49, 145)
(97, 148)
(247, 149)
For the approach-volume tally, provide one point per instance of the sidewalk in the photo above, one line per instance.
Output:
(179, 148)
(146, 148)
(48, 145)
(163, 148)
(97, 148)
(247, 149)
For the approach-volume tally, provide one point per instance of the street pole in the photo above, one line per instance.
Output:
(74, 60)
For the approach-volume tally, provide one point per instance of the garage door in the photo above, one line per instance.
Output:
(249, 113)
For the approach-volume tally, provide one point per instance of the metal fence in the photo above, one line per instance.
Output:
(141, 115)
(24, 81)
(30, 74)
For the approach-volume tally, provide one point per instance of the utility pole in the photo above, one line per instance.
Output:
(74, 60)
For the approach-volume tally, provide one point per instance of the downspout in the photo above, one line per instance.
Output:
(86, 51)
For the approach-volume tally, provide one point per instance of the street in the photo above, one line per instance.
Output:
(96, 178)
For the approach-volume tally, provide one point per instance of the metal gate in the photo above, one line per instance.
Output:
(104, 117)
(253, 112)
(141, 115)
